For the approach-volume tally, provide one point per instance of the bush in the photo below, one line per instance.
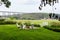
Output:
(55, 26)
(2, 20)
(36, 25)
(27, 23)
(10, 22)
(53, 29)
(7, 22)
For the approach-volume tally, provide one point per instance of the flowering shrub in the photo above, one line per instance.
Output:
(55, 26)
(37, 25)
(27, 23)
(44, 24)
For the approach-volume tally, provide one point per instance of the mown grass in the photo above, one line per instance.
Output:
(11, 32)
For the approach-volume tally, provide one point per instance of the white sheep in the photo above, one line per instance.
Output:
(24, 26)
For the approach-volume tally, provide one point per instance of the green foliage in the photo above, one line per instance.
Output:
(52, 24)
(4, 0)
(28, 23)
(55, 26)
(7, 3)
(7, 22)
(2, 20)
(36, 25)
(33, 16)
(12, 18)
(45, 2)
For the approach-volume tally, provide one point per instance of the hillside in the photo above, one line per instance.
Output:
(32, 16)
(29, 16)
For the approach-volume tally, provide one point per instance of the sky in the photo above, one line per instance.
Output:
(29, 6)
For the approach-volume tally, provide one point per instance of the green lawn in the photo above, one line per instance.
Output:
(11, 32)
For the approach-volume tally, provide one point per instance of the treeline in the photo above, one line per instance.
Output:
(54, 16)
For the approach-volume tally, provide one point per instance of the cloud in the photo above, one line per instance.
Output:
(28, 6)
(19, 1)
(32, 2)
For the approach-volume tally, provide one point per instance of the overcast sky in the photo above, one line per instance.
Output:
(29, 6)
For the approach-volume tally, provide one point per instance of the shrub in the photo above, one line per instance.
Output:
(2, 20)
(7, 22)
(53, 29)
(55, 26)
(36, 25)
(27, 23)
(10, 22)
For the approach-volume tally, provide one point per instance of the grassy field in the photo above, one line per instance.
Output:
(11, 32)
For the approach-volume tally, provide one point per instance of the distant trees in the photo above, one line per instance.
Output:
(12, 18)
(54, 16)
(50, 15)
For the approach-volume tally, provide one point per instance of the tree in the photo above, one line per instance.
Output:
(6, 2)
(56, 17)
(50, 2)
(52, 15)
